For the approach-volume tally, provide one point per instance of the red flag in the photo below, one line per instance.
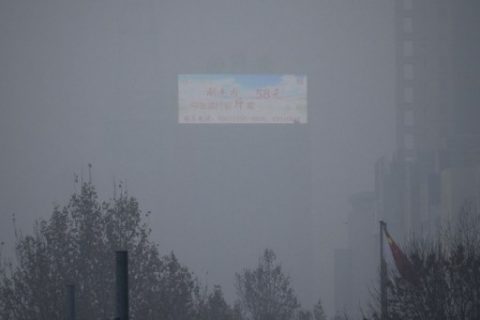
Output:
(403, 264)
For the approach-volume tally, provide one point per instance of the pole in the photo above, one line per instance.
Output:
(121, 285)
(383, 276)
(70, 302)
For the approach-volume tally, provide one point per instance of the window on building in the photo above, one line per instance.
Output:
(408, 48)
(408, 95)
(408, 25)
(408, 72)
(407, 4)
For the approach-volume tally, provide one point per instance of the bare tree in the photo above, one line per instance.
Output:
(448, 273)
(318, 312)
(265, 292)
(77, 245)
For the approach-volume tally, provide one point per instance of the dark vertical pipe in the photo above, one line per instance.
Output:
(383, 277)
(121, 285)
(70, 302)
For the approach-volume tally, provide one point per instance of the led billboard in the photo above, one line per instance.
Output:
(242, 98)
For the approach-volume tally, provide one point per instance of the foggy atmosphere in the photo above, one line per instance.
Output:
(239, 160)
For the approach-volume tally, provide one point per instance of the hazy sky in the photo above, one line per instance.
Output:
(96, 82)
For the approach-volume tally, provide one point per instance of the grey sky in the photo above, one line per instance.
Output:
(96, 81)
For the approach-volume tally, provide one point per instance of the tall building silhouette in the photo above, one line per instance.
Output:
(435, 170)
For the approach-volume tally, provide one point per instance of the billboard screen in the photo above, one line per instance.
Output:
(242, 98)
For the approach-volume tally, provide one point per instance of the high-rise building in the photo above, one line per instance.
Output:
(355, 267)
(435, 169)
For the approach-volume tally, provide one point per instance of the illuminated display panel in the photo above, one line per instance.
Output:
(241, 98)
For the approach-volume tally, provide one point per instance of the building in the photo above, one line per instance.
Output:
(434, 172)
(356, 267)
(434, 169)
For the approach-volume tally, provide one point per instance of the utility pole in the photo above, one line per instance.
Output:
(383, 277)
(70, 302)
(121, 285)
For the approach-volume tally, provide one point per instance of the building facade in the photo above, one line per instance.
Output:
(434, 172)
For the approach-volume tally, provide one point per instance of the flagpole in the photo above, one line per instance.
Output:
(383, 276)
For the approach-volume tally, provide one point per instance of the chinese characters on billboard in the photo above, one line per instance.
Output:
(225, 98)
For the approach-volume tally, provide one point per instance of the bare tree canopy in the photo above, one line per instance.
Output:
(265, 292)
(76, 245)
(448, 273)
